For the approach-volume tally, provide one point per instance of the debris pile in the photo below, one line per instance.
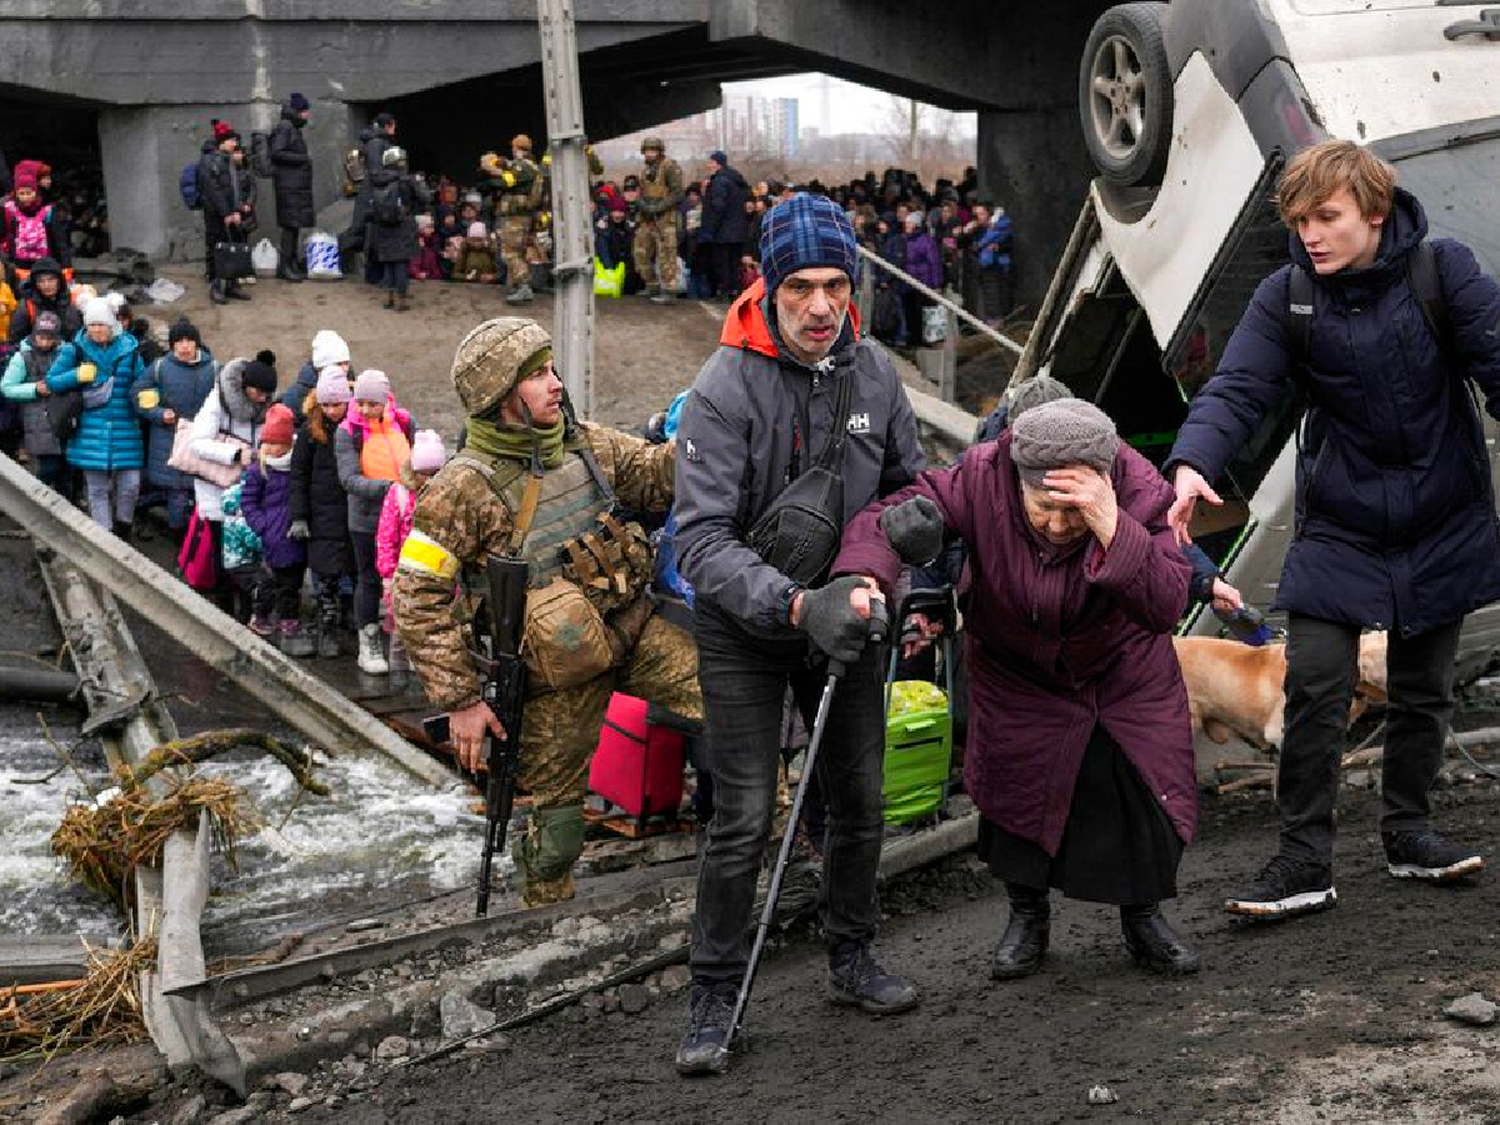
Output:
(102, 1009)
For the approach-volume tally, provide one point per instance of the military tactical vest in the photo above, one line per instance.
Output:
(654, 180)
(519, 196)
(568, 505)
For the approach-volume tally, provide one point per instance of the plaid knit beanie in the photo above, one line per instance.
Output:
(1067, 431)
(807, 231)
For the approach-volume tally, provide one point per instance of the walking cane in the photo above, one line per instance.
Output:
(878, 624)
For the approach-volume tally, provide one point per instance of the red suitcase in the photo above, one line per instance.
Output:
(638, 765)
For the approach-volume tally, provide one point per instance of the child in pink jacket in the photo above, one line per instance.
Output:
(427, 457)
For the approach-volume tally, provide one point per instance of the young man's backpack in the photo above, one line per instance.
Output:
(387, 206)
(260, 155)
(187, 185)
(1421, 276)
(354, 170)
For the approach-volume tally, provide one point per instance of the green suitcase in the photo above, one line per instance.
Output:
(919, 724)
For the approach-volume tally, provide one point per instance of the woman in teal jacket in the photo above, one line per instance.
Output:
(102, 363)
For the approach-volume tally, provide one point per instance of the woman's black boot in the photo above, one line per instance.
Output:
(1024, 943)
(1154, 944)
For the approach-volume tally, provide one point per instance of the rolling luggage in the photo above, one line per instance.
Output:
(919, 721)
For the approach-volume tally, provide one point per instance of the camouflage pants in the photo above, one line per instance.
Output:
(655, 251)
(514, 231)
(558, 737)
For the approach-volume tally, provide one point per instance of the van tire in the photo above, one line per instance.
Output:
(1125, 95)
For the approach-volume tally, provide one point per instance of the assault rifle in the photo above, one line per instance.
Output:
(503, 674)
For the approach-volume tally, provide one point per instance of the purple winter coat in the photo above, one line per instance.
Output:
(1057, 640)
(923, 261)
(265, 502)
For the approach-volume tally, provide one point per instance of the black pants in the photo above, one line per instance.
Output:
(726, 267)
(744, 681)
(279, 592)
(290, 259)
(395, 275)
(1321, 670)
(367, 584)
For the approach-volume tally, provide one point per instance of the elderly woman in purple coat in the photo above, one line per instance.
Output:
(1079, 752)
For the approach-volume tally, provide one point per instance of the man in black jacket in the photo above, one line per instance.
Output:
(222, 187)
(292, 175)
(725, 224)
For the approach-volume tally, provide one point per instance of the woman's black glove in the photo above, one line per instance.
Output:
(831, 622)
(915, 530)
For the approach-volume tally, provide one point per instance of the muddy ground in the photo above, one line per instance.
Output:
(644, 353)
(1332, 1018)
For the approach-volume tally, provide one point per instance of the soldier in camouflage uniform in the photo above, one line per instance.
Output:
(519, 185)
(532, 482)
(656, 232)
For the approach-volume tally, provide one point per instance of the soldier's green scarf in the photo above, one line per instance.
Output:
(504, 439)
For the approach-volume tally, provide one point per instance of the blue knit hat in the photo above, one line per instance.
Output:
(299, 102)
(806, 231)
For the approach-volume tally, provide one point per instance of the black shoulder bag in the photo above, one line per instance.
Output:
(799, 533)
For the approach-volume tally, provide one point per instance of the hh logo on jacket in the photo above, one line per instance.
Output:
(859, 423)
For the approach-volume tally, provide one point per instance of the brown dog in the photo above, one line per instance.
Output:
(1236, 689)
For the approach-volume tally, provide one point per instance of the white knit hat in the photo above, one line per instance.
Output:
(328, 348)
(100, 311)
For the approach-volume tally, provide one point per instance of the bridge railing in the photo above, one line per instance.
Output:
(938, 363)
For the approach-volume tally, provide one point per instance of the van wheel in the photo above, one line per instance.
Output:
(1125, 95)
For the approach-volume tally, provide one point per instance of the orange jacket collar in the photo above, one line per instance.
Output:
(745, 327)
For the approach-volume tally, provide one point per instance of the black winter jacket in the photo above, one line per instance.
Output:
(318, 497)
(292, 172)
(1395, 524)
(724, 218)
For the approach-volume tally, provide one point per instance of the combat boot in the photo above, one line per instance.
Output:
(662, 296)
(514, 297)
(1024, 943)
(544, 892)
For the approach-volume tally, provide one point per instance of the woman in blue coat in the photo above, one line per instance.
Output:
(1395, 517)
(102, 364)
(168, 392)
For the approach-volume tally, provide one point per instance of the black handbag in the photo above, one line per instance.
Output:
(800, 532)
(232, 261)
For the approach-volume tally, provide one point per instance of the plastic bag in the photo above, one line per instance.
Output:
(609, 282)
(264, 258)
(163, 291)
(322, 251)
(934, 324)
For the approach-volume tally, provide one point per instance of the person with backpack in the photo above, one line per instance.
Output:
(46, 290)
(395, 198)
(372, 445)
(224, 188)
(25, 383)
(101, 364)
(318, 505)
(373, 141)
(292, 173)
(32, 230)
(170, 392)
(1395, 525)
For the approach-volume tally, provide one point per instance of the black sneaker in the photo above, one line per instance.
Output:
(704, 1049)
(856, 978)
(1426, 855)
(1285, 888)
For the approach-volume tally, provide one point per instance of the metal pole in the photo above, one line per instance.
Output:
(572, 230)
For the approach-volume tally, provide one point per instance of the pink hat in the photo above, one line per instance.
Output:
(427, 452)
(333, 386)
(478, 230)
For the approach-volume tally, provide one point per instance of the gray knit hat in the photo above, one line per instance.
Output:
(1067, 431)
(1033, 392)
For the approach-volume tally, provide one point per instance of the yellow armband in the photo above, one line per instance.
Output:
(423, 555)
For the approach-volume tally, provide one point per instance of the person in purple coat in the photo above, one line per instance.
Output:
(925, 263)
(265, 502)
(1080, 751)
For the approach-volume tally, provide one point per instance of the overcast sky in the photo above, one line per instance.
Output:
(854, 108)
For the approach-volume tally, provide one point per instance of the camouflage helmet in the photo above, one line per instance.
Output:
(489, 360)
(521, 140)
(654, 142)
